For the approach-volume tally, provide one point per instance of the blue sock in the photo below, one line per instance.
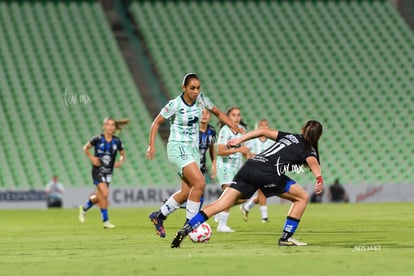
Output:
(87, 205)
(197, 220)
(290, 227)
(104, 213)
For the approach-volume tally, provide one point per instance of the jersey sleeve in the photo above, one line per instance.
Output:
(120, 145)
(223, 135)
(94, 140)
(213, 136)
(310, 152)
(281, 134)
(169, 109)
(206, 102)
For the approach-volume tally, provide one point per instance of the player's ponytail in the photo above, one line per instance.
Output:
(312, 131)
(119, 124)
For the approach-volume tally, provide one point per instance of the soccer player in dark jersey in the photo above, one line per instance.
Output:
(266, 171)
(106, 146)
(207, 139)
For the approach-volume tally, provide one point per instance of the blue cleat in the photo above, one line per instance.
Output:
(158, 223)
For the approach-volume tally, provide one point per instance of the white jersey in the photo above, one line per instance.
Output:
(257, 146)
(234, 160)
(185, 119)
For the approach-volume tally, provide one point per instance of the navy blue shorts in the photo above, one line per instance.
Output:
(251, 177)
(99, 177)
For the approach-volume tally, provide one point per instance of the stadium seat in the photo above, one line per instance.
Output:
(348, 64)
(48, 48)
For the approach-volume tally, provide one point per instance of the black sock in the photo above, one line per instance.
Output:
(204, 215)
(160, 215)
(285, 236)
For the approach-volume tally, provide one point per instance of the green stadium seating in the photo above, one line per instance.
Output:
(348, 64)
(51, 47)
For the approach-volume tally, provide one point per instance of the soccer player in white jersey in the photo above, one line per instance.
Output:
(184, 113)
(229, 161)
(256, 146)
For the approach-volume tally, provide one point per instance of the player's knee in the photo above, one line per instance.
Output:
(200, 185)
(305, 197)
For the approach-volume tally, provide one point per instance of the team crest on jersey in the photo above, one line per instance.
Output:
(106, 159)
(114, 147)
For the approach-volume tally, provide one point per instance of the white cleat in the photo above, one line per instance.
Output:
(82, 214)
(292, 242)
(225, 229)
(244, 213)
(108, 225)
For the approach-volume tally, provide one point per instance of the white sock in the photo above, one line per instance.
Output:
(263, 210)
(192, 209)
(249, 205)
(223, 218)
(169, 206)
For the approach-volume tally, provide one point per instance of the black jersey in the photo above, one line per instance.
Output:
(106, 151)
(287, 154)
(206, 139)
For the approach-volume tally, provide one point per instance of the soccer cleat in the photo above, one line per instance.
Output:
(265, 220)
(108, 225)
(291, 242)
(82, 214)
(244, 213)
(224, 229)
(158, 223)
(179, 237)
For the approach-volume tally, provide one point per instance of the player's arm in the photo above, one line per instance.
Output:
(94, 160)
(224, 150)
(122, 158)
(226, 119)
(159, 120)
(269, 133)
(313, 165)
(212, 152)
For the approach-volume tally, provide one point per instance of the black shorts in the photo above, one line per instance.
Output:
(251, 177)
(99, 177)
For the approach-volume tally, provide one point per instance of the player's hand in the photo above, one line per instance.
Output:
(233, 143)
(244, 150)
(150, 153)
(95, 161)
(319, 185)
(213, 172)
(118, 164)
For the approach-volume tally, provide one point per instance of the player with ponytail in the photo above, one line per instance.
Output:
(266, 171)
(106, 146)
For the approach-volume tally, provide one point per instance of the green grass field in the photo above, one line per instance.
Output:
(346, 239)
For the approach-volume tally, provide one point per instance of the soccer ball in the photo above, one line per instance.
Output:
(201, 234)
